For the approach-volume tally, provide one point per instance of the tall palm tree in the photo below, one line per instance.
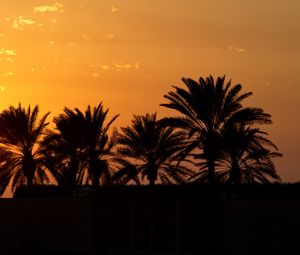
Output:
(205, 107)
(97, 145)
(80, 146)
(21, 159)
(62, 154)
(148, 149)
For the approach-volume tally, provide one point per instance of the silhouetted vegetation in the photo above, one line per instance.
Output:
(247, 156)
(22, 161)
(152, 150)
(212, 115)
(214, 139)
(79, 148)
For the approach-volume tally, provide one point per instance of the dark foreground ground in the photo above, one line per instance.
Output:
(152, 220)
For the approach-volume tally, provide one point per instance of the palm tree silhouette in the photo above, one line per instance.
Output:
(21, 159)
(97, 147)
(151, 150)
(61, 148)
(247, 156)
(80, 147)
(206, 108)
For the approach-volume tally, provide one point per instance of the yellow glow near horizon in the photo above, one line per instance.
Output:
(128, 54)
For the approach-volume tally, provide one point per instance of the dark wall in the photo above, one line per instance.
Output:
(262, 227)
(153, 219)
(56, 224)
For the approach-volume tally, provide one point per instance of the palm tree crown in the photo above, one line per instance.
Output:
(20, 134)
(247, 156)
(149, 149)
(80, 147)
(206, 107)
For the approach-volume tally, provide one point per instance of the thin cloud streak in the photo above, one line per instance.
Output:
(104, 67)
(119, 66)
(109, 36)
(2, 88)
(57, 7)
(8, 74)
(116, 66)
(8, 52)
(20, 22)
(235, 48)
(114, 9)
(86, 37)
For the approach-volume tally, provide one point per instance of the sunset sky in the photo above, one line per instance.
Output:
(128, 53)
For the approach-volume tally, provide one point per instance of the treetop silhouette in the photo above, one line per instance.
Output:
(213, 139)
(22, 161)
(207, 109)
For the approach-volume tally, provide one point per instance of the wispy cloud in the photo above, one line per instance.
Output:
(235, 48)
(8, 52)
(114, 9)
(2, 88)
(117, 66)
(57, 7)
(109, 36)
(104, 67)
(20, 22)
(8, 74)
(137, 65)
(121, 67)
(86, 37)
(239, 49)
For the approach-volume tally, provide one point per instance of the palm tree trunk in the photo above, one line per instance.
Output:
(28, 165)
(151, 173)
(29, 182)
(151, 182)
(96, 182)
(211, 172)
(235, 175)
(208, 150)
(70, 177)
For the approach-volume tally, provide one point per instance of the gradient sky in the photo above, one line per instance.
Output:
(128, 53)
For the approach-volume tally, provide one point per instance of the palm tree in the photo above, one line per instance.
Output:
(80, 147)
(247, 156)
(96, 143)
(205, 108)
(21, 159)
(148, 149)
(62, 154)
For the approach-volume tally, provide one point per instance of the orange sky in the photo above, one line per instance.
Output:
(128, 53)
